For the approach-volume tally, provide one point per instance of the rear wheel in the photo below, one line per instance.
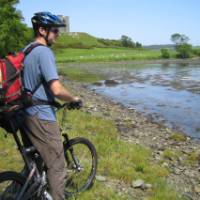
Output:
(81, 163)
(10, 185)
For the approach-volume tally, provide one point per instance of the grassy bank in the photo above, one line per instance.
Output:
(78, 74)
(118, 160)
(106, 54)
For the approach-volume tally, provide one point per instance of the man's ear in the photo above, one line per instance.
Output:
(42, 31)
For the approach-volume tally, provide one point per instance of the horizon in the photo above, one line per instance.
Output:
(156, 20)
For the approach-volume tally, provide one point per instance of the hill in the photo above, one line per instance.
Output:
(77, 40)
(159, 46)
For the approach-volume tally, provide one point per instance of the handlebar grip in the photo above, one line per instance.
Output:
(75, 105)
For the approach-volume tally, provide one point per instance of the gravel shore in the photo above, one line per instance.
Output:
(178, 154)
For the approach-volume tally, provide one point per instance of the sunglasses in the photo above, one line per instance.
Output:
(54, 30)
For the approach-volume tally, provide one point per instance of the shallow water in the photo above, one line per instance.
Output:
(168, 93)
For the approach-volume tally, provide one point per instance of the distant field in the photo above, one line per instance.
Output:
(82, 47)
(106, 54)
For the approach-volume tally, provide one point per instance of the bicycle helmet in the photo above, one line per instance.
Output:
(46, 19)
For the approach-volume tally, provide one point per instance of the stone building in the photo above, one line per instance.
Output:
(66, 21)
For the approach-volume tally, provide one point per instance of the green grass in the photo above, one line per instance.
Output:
(105, 54)
(80, 75)
(77, 40)
(10, 159)
(178, 137)
(118, 160)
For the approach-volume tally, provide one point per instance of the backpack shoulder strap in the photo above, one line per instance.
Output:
(26, 52)
(31, 47)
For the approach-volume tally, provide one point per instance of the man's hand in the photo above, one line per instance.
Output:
(76, 103)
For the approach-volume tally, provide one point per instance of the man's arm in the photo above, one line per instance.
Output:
(60, 92)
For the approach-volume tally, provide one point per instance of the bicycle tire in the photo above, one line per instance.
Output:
(71, 144)
(14, 177)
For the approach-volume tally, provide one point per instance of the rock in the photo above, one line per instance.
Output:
(138, 183)
(165, 165)
(98, 83)
(111, 82)
(189, 173)
(187, 196)
(177, 171)
(100, 178)
(154, 138)
(197, 189)
(146, 186)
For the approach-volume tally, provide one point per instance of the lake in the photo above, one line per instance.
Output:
(169, 93)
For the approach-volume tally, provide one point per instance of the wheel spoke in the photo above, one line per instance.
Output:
(81, 166)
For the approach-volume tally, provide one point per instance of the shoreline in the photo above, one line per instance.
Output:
(169, 149)
(195, 60)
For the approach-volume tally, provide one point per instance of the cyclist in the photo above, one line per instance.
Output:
(40, 74)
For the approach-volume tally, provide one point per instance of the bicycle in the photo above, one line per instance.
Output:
(32, 183)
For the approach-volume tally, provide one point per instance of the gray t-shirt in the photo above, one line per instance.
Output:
(40, 65)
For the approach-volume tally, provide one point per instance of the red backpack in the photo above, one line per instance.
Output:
(12, 93)
(11, 69)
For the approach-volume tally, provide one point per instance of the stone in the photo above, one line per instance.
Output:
(187, 196)
(146, 186)
(177, 171)
(100, 178)
(197, 189)
(98, 83)
(111, 82)
(165, 165)
(138, 183)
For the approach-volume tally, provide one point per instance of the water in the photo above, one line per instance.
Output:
(169, 93)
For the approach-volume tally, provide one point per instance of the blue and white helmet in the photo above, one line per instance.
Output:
(46, 19)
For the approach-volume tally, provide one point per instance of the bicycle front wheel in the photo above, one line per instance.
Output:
(81, 164)
(10, 185)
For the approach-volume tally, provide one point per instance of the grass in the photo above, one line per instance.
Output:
(80, 75)
(118, 160)
(178, 137)
(192, 158)
(9, 155)
(106, 54)
(171, 154)
(77, 40)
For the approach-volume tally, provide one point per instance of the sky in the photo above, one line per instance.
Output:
(146, 21)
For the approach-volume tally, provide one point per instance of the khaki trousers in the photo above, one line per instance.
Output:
(45, 136)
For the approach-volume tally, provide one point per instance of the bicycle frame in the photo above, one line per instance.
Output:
(32, 166)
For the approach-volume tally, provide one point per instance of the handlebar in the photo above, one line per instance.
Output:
(70, 105)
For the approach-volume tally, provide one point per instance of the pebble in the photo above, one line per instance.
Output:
(100, 178)
(138, 183)
(197, 189)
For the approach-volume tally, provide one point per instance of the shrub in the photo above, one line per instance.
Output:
(196, 52)
(165, 53)
(184, 50)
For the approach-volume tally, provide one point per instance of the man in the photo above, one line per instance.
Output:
(40, 76)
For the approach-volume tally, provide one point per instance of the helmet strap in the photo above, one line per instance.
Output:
(47, 37)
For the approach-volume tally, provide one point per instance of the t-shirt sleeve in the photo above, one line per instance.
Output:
(48, 65)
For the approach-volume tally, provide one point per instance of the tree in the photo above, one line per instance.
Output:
(138, 45)
(13, 33)
(127, 41)
(179, 39)
(184, 50)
